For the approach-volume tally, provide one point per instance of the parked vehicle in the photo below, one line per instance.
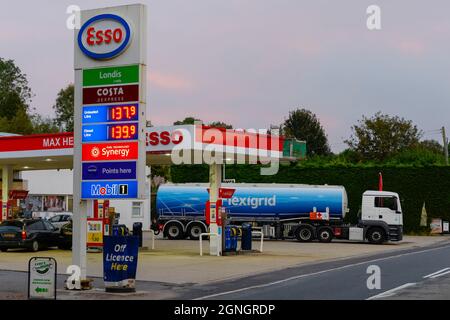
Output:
(31, 234)
(65, 236)
(304, 212)
(60, 219)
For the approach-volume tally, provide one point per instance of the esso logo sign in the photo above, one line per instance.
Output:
(164, 137)
(104, 36)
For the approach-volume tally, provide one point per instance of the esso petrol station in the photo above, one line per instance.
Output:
(111, 149)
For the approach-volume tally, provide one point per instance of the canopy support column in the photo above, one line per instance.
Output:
(7, 181)
(215, 179)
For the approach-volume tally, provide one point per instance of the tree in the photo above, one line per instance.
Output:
(19, 124)
(382, 136)
(187, 120)
(432, 146)
(43, 124)
(220, 124)
(15, 94)
(303, 125)
(64, 108)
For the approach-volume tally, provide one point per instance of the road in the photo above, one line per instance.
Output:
(414, 273)
(344, 279)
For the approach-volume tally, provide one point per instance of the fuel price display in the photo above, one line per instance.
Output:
(110, 132)
(123, 113)
(123, 131)
(111, 113)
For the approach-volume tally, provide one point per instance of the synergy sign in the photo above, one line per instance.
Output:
(104, 36)
(110, 152)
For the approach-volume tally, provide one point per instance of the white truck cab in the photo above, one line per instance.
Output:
(381, 216)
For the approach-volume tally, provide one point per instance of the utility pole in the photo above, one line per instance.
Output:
(445, 141)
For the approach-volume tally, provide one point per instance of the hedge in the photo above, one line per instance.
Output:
(415, 185)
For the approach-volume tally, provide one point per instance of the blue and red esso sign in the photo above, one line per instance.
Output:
(104, 36)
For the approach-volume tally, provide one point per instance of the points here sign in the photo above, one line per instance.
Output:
(110, 103)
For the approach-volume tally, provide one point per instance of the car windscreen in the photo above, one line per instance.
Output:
(35, 226)
(12, 223)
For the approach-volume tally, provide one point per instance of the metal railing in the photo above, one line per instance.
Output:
(153, 238)
(262, 239)
(201, 241)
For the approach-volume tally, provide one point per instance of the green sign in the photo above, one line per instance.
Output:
(293, 148)
(111, 75)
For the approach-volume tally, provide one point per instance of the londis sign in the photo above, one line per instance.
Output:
(104, 36)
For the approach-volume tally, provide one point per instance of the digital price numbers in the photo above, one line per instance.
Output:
(128, 131)
(113, 113)
(123, 113)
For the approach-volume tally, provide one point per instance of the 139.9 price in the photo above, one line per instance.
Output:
(123, 131)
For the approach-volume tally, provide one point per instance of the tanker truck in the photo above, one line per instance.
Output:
(282, 211)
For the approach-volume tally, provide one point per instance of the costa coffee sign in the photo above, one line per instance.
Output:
(107, 151)
(113, 94)
(104, 36)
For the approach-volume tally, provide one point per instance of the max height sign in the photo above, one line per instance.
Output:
(110, 103)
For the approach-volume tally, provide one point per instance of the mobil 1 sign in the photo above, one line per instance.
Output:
(42, 278)
(120, 189)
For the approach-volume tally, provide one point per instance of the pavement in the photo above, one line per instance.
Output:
(175, 269)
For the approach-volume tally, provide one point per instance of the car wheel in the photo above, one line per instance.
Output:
(194, 230)
(35, 246)
(304, 233)
(376, 235)
(3, 249)
(325, 234)
(174, 231)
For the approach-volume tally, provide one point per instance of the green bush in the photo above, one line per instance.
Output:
(414, 184)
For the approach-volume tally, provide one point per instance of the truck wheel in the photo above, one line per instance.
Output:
(325, 234)
(304, 233)
(376, 235)
(174, 231)
(194, 230)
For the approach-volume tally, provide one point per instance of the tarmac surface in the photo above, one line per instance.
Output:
(175, 270)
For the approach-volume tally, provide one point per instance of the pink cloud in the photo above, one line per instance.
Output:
(411, 46)
(169, 81)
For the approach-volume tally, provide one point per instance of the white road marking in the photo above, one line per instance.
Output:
(392, 292)
(440, 274)
(435, 273)
(314, 273)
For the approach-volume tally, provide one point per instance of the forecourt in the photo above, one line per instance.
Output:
(186, 144)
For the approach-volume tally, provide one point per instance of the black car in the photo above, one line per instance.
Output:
(65, 236)
(31, 234)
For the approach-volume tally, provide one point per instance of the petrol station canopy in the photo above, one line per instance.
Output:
(185, 144)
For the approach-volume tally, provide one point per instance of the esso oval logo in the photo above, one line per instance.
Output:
(165, 137)
(104, 36)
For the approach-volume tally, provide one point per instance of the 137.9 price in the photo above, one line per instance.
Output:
(123, 113)
(123, 131)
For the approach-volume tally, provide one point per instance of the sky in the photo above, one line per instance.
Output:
(249, 62)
